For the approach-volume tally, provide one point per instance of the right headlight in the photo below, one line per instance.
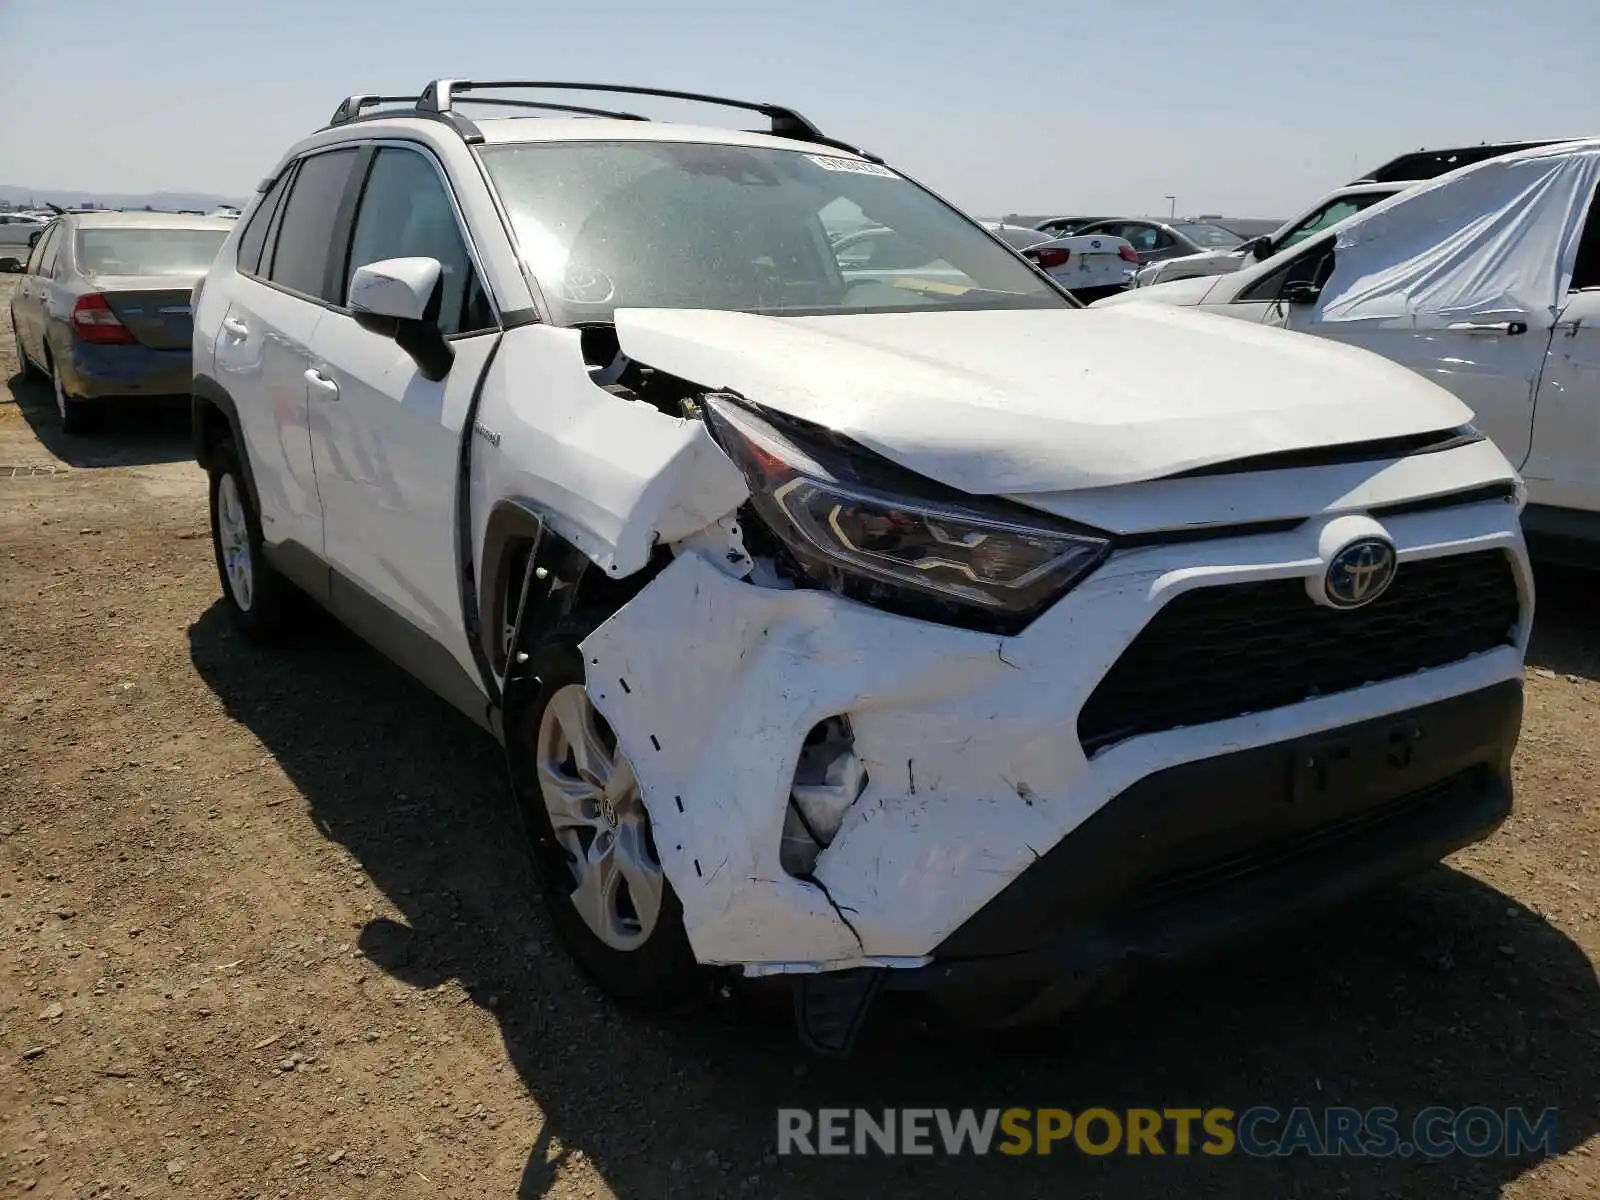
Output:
(932, 547)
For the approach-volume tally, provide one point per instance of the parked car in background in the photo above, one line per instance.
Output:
(103, 306)
(1343, 203)
(1063, 226)
(19, 231)
(876, 632)
(1088, 267)
(1395, 176)
(1154, 240)
(1487, 281)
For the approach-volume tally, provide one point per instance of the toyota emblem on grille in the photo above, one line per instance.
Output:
(1359, 573)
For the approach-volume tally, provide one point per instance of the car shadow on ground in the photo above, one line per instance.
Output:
(1566, 626)
(127, 433)
(1442, 991)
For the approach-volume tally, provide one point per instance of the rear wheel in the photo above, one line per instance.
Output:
(29, 371)
(591, 841)
(259, 600)
(77, 415)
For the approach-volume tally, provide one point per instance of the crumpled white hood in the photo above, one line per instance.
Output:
(1044, 400)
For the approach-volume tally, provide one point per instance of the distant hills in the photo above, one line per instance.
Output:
(71, 198)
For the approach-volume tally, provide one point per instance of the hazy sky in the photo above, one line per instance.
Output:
(1248, 107)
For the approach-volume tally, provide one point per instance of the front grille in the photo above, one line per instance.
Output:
(1220, 652)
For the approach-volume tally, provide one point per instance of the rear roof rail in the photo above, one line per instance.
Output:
(440, 98)
(1430, 164)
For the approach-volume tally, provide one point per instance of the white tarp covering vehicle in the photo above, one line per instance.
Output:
(881, 631)
(1487, 281)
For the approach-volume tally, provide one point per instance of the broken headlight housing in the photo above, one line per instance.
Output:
(897, 540)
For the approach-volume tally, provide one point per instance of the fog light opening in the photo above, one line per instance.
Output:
(828, 779)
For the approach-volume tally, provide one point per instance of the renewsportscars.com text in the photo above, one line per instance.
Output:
(1258, 1132)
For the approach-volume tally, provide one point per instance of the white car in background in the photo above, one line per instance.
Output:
(1089, 266)
(1340, 205)
(1487, 281)
(19, 231)
(1393, 177)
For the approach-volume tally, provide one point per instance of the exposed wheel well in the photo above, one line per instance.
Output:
(211, 429)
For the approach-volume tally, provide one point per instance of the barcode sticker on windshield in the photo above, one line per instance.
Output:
(851, 166)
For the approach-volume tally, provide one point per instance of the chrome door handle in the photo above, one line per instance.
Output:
(236, 327)
(321, 383)
(1507, 328)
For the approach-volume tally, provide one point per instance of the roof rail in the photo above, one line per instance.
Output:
(351, 106)
(1430, 164)
(442, 95)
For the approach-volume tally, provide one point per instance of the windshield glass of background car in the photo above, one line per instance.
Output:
(148, 251)
(1331, 214)
(1209, 236)
(608, 225)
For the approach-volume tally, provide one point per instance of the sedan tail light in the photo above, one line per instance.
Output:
(93, 321)
(1127, 253)
(1048, 257)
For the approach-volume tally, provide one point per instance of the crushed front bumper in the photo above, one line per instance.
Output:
(1202, 853)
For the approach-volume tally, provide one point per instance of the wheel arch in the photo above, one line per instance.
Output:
(214, 419)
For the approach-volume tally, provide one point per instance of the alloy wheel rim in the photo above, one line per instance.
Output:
(233, 539)
(597, 813)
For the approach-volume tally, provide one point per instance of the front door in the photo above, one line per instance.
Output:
(386, 441)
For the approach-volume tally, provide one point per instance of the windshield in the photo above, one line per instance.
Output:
(1328, 215)
(1210, 236)
(125, 251)
(608, 225)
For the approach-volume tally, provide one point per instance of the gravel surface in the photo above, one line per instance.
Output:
(264, 931)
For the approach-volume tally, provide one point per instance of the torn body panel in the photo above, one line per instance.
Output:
(969, 741)
(611, 475)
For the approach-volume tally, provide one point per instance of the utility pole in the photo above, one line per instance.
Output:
(1172, 206)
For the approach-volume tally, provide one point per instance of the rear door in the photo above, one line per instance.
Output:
(387, 442)
(263, 348)
(1563, 469)
(34, 310)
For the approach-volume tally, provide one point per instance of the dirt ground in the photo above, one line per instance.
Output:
(265, 931)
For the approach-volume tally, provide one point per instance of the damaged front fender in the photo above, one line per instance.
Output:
(612, 476)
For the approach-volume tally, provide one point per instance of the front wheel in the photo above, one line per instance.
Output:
(591, 843)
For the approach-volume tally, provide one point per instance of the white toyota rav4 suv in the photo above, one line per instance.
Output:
(928, 634)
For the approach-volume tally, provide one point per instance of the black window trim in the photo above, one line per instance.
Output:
(343, 232)
(1588, 241)
(269, 248)
(37, 252)
(345, 227)
(268, 214)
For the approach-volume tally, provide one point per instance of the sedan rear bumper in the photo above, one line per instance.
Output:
(99, 372)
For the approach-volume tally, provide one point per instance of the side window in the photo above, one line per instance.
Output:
(36, 259)
(1143, 238)
(1314, 266)
(305, 235)
(1586, 270)
(405, 212)
(50, 244)
(254, 237)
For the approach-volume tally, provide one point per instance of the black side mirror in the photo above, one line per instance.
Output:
(1300, 291)
(1261, 248)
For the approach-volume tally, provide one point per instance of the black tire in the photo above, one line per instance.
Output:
(660, 974)
(265, 610)
(78, 416)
